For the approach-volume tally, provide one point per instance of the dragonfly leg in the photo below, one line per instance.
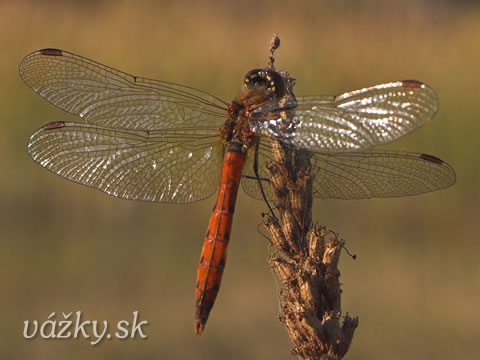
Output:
(257, 176)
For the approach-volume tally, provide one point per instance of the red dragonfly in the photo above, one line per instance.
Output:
(144, 139)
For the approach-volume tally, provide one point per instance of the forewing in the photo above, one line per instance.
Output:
(164, 166)
(357, 120)
(110, 98)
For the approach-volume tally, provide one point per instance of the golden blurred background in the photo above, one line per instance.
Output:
(65, 247)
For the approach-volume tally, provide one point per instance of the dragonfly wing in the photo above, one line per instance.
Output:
(378, 174)
(356, 120)
(107, 97)
(359, 175)
(161, 166)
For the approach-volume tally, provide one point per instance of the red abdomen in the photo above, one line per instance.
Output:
(214, 251)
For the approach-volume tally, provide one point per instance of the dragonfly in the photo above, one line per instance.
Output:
(150, 140)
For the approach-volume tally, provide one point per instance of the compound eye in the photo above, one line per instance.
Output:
(272, 81)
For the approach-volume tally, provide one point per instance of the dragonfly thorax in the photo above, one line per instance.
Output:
(262, 89)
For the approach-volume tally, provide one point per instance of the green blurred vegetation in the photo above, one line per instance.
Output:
(64, 247)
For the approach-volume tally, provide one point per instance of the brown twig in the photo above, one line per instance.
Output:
(306, 256)
(274, 45)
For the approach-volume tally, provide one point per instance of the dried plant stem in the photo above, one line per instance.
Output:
(306, 258)
(306, 261)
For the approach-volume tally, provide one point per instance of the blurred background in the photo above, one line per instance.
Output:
(65, 247)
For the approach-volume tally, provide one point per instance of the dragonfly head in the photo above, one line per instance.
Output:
(267, 78)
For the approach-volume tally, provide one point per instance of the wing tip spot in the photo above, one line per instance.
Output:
(431, 158)
(54, 125)
(412, 84)
(51, 52)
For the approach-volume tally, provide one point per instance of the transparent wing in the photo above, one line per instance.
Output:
(107, 97)
(362, 175)
(165, 166)
(356, 120)
(378, 174)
